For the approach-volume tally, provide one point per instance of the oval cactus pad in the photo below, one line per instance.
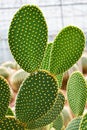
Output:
(27, 37)
(76, 93)
(36, 96)
(4, 97)
(67, 49)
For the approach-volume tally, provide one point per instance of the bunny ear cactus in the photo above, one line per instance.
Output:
(37, 94)
(28, 37)
(83, 124)
(46, 59)
(51, 115)
(46, 63)
(74, 124)
(67, 49)
(4, 97)
(76, 93)
(10, 123)
(58, 123)
(59, 79)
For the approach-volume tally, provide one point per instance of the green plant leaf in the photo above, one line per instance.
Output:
(27, 37)
(67, 49)
(36, 96)
(59, 78)
(76, 93)
(58, 123)
(83, 124)
(4, 97)
(46, 59)
(74, 124)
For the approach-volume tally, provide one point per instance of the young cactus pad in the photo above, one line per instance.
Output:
(59, 78)
(10, 123)
(76, 93)
(51, 115)
(27, 37)
(4, 97)
(36, 96)
(74, 124)
(46, 59)
(67, 49)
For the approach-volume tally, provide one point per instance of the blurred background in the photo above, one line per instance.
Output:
(58, 14)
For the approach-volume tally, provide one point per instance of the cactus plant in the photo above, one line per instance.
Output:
(58, 123)
(37, 95)
(83, 123)
(10, 123)
(39, 101)
(46, 59)
(76, 93)
(74, 124)
(67, 49)
(4, 97)
(50, 115)
(28, 37)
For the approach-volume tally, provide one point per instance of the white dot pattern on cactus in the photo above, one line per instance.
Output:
(10, 123)
(36, 96)
(76, 93)
(67, 49)
(74, 124)
(4, 97)
(28, 35)
(50, 115)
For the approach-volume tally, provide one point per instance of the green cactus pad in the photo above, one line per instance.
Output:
(74, 124)
(58, 123)
(59, 78)
(67, 49)
(83, 124)
(9, 112)
(10, 123)
(4, 97)
(76, 93)
(46, 59)
(36, 96)
(28, 37)
(50, 115)
(17, 78)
